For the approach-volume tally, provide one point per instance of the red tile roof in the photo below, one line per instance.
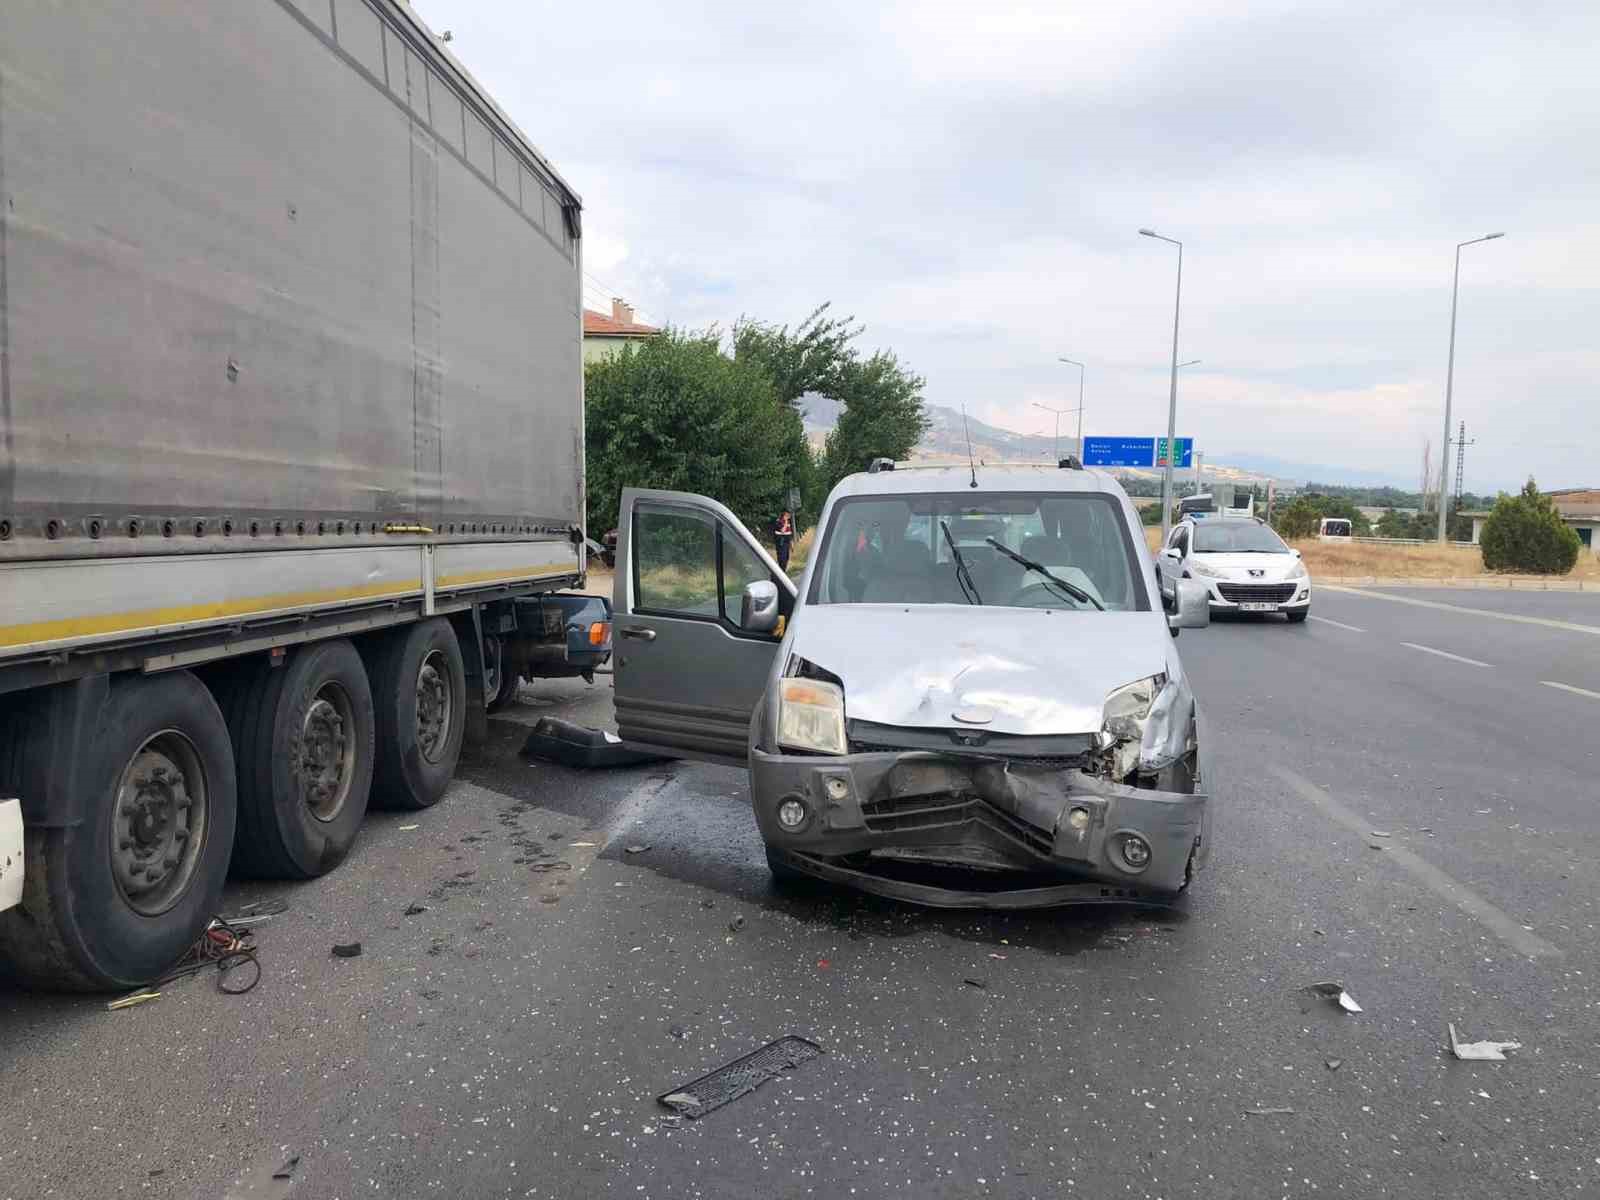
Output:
(599, 325)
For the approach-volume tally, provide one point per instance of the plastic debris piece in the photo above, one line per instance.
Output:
(638, 849)
(1480, 1051)
(736, 924)
(133, 998)
(1381, 833)
(545, 868)
(1334, 993)
(823, 964)
(977, 983)
(407, 828)
(347, 950)
(287, 1170)
(1269, 1112)
(992, 954)
(1333, 1064)
(549, 898)
(412, 910)
(740, 1077)
(678, 1031)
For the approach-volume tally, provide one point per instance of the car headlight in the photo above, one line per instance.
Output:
(1208, 572)
(1129, 706)
(1298, 571)
(811, 716)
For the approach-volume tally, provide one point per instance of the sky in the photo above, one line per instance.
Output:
(968, 179)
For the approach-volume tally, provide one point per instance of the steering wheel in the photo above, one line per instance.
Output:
(1058, 597)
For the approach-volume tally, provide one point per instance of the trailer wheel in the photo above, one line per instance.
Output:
(115, 901)
(419, 695)
(303, 739)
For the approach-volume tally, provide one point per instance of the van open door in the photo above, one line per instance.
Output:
(700, 610)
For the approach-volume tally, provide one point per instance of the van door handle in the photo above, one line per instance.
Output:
(639, 631)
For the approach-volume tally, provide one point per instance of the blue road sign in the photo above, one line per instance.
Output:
(1185, 452)
(1118, 451)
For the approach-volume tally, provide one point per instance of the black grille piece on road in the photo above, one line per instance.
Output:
(739, 1077)
(1246, 593)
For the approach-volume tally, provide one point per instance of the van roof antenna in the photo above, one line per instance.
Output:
(971, 466)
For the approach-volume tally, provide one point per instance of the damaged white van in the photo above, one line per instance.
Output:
(972, 699)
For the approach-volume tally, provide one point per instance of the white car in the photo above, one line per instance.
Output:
(1245, 566)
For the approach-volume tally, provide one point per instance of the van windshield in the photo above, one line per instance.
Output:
(1223, 537)
(896, 550)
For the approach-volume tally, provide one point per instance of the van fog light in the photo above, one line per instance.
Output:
(1078, 819)
(1135, 852)
(836, 788)
(791, 814)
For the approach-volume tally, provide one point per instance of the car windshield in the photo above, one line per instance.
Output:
(1236, 537)
(911, 550)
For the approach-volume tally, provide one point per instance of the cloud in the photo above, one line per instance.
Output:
(967, 179)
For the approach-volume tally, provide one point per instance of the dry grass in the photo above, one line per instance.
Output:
(1366, 559)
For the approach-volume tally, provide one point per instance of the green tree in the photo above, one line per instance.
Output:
(1525, 533)
(882, 417)
(675, 412)
(808, 359)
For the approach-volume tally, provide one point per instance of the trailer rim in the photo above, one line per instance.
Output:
(159, 822)
(433, 705)
(328, 751)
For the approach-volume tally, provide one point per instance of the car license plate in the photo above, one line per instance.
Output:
(1258, 606)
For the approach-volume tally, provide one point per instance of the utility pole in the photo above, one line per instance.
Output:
(1172, 399)
(1461, 457)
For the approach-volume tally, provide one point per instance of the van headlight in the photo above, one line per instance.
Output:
(1128, 708)
(811, 716)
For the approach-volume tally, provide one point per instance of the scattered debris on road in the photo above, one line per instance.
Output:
(1333, 1064)
(143, 996)
(414, 910)
(1383, 833)
(638, 849)
(1334, 993)
(287, 1170)
(735, 925)
(408, 828)
(1479, 1051)
(1269, 1112)
(574, 745)
(347, 950)
(740, 1077)
(977, 983)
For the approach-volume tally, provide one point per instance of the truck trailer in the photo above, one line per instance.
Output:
(291, 451)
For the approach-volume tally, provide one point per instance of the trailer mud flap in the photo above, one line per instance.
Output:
(10, 854)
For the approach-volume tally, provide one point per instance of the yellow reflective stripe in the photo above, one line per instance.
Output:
(221, 610)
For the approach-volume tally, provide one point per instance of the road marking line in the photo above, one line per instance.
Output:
(1567, 687)
(1340, 624)
(1436, 881)
(1547, 622)
(1471, 662)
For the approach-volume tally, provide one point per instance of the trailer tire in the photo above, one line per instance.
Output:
(419, 696)
(304, 739)
(159, 761)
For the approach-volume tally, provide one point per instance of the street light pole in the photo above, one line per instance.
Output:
(1074, 362)
(1449, 384)
(1058, 412)
(1172, 398)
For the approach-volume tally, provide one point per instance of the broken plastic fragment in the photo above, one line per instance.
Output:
(407, 828)
(347, 950)
(1480, 1051)
(682, 1102)
(1269, 1112)
(638, 848)
(1381, 833)
(287, 1170)
(1334, 993)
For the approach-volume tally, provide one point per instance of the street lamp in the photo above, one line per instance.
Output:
(1449, 383)
(1059, 412)
(1081, 369)
(1172, 399)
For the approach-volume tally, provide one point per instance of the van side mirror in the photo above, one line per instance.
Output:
(1191, 606)
(758, 608)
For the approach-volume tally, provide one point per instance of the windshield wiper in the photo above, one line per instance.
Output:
(1071, 589)
(969, 588)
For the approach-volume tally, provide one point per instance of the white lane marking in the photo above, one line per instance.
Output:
(1340, 624)
(1547, 622)
(1471, 662)
(1436, 881)
(1567, 687)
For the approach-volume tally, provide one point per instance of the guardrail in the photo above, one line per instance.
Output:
(1383, 541)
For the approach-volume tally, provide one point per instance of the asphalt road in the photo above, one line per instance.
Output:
(1421, 828)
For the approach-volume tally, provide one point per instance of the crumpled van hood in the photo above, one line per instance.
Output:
(1028, 671)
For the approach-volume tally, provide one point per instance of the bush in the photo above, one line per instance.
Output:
(1525, 533)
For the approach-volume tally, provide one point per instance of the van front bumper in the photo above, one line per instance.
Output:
(1026, 834)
